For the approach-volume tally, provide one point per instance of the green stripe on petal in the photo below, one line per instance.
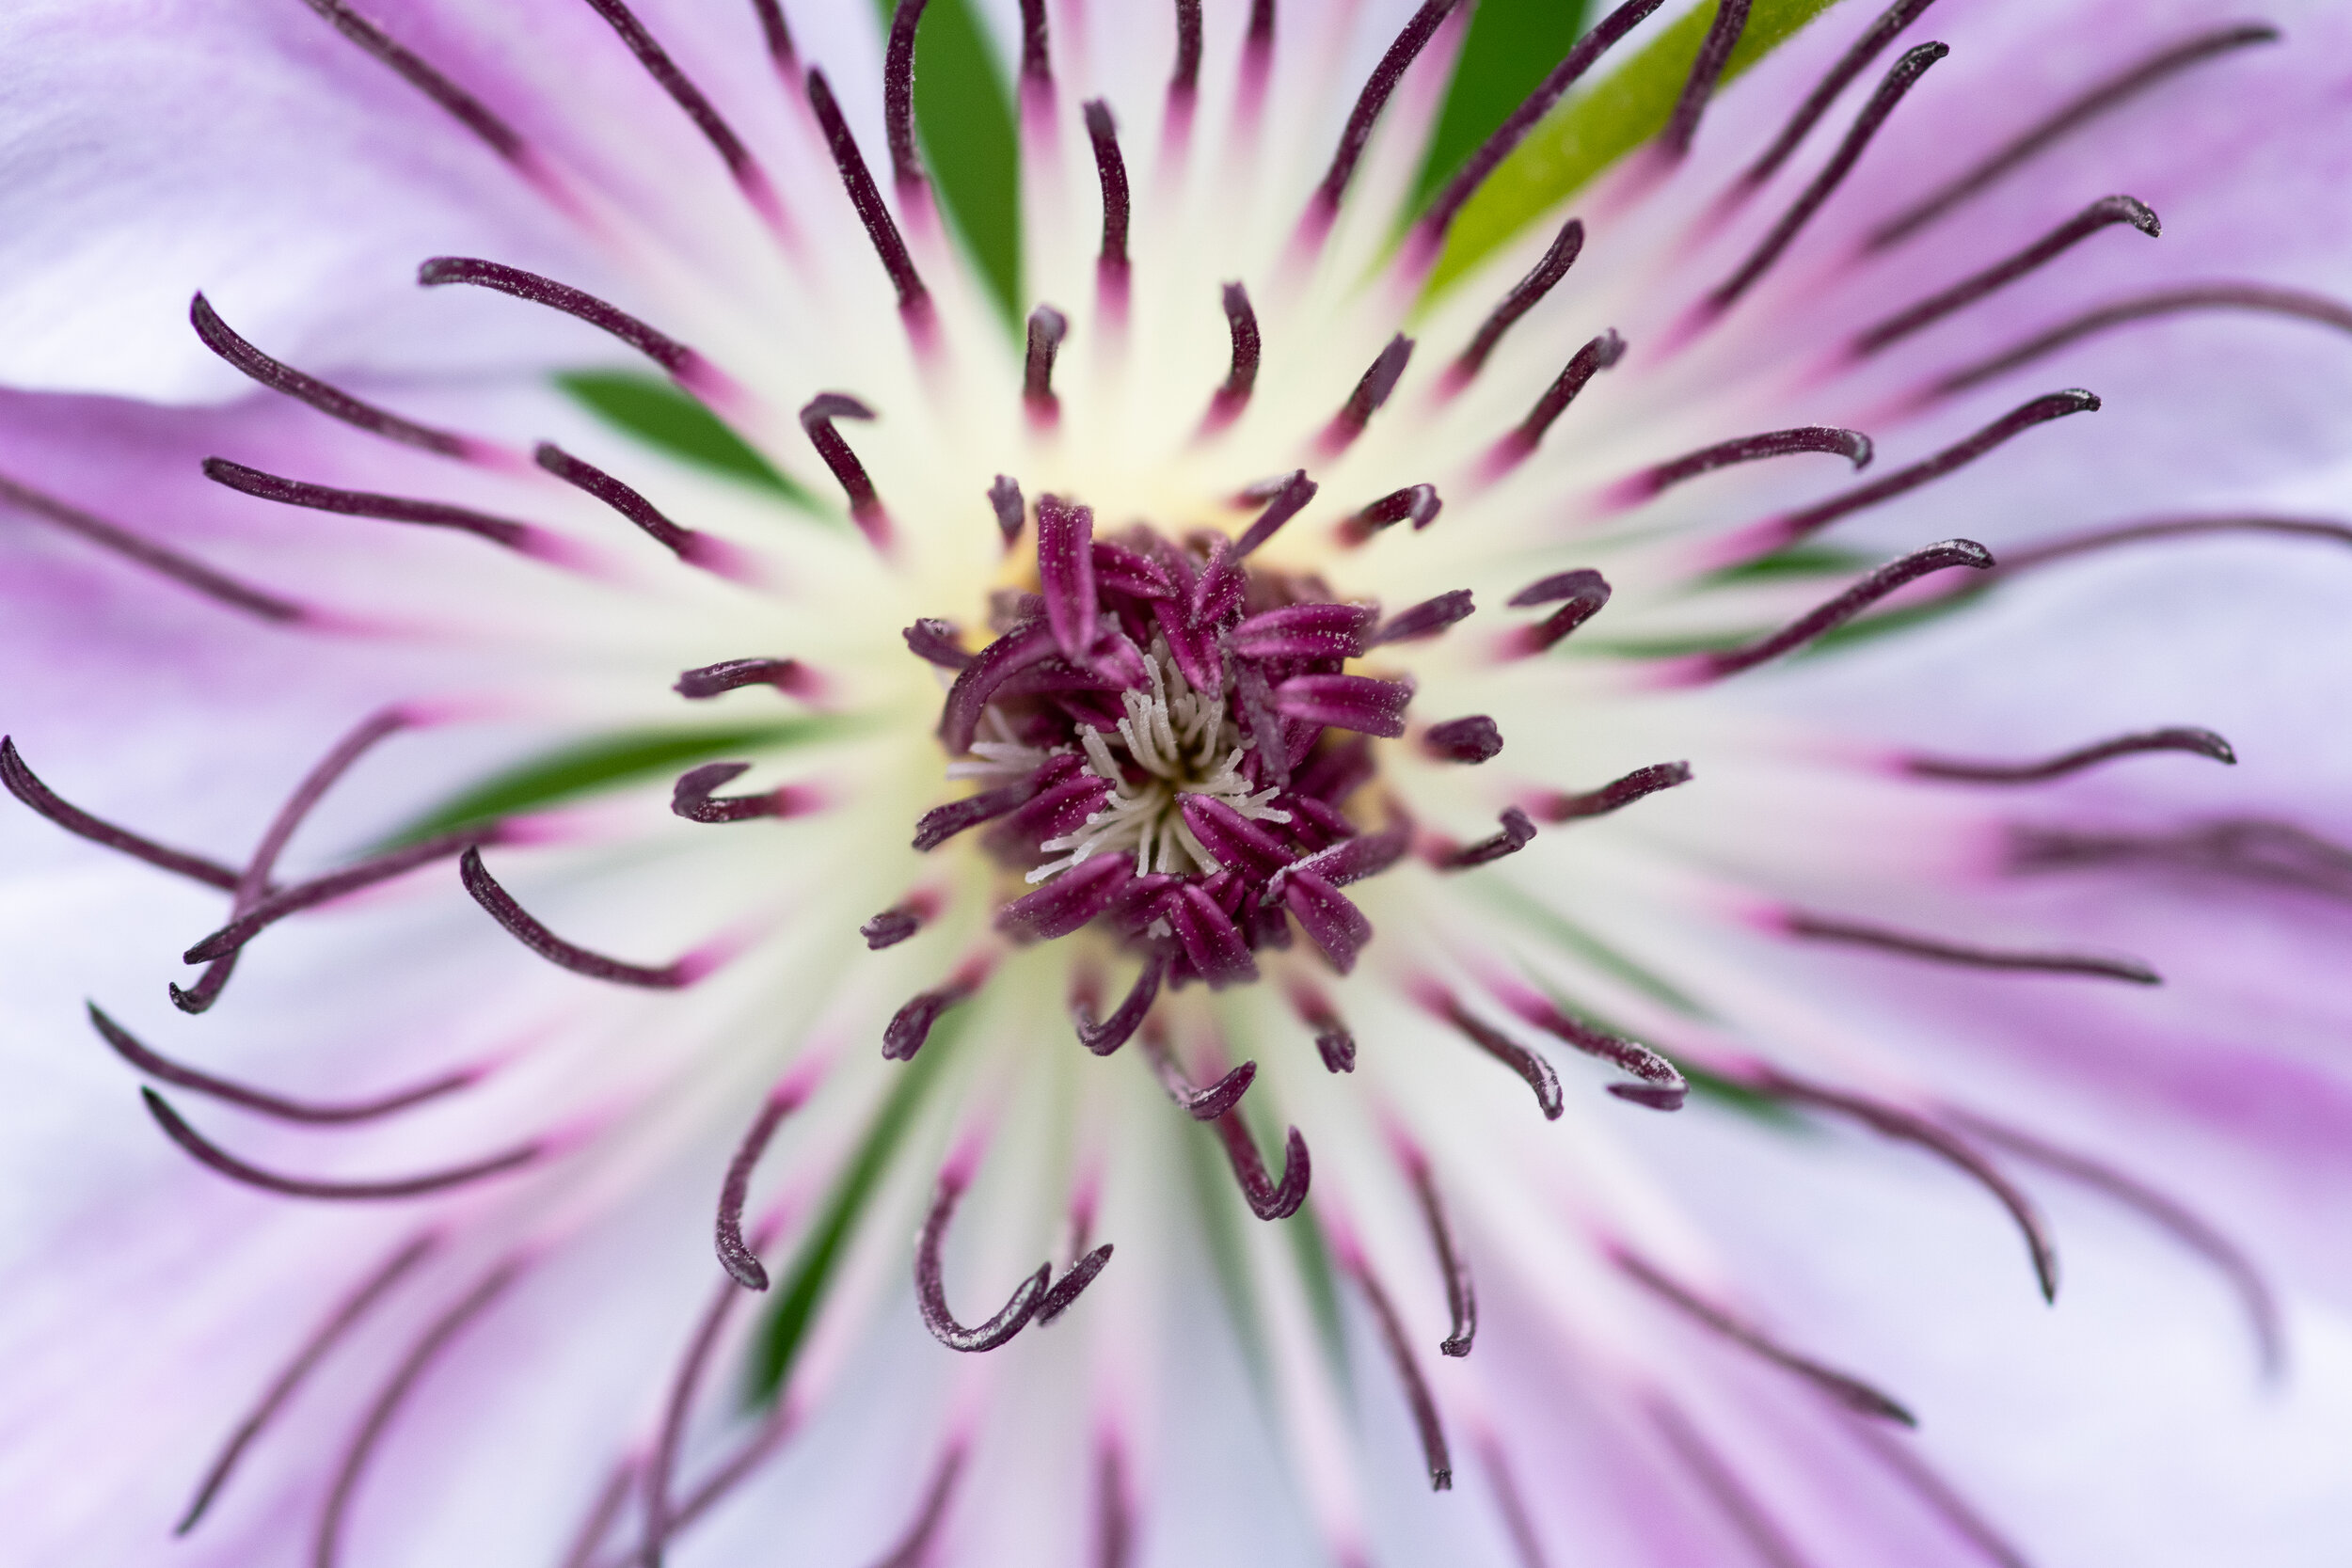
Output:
(1592, 130)
(672, 423)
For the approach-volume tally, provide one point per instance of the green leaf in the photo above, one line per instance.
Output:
(1594, 129)
(1727, 1095)
(1512, 43)
(963, 118)
(607, 761)
(1796, 560)
(672, 423)
(778, 1339)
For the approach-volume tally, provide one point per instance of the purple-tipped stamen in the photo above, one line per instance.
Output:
(1201, 1104)
(693, 797)
(788, 675)
(1267, 1199)
(1372, 391)
(937, 642)
(463, 106)
(1707, 71)
(1416, 1395)
(364, 503)
(906, 164)
(1517, 833)
(2197, 742)
(661, 1468)
(1226, 404)
(689, 367)
(213, 1157)
(1334, 1042)
(931, 1292)
(261, 1102)
(2291, 304)
(1900, 79)
(741, 1263)
(748, 176)
(1909, 944)
(1524, 297)
(694, 548)
(520, 925)
(1419, 29)
(1582, 594)
(1851, 445)
(1113, 1032)
(2111, 93)
(1287, 501)
(1888, 25)
(1461, 1298)
(1004, 498)
(909, 1028)
(1590, 360)
(777, 34)
(334, 403)
(1065, 569)
(1184, 82)
(1502, 1047)
(1837, 611)
(894, 925)
(23, 784)
(817, 422)
(1063, 1292)
(1111, 264)
(880, 228)
(1470, 740)
(265, 913)
(1418, 502)
(2105, 213)
(1047, 328)
(1424, 620)
(188, 572)
(1615, 795)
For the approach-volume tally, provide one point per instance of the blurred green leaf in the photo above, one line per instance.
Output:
(1710, 1089)
(607, 761)
(1512, 44)
(963, 118)
(779, 1338)
(669, 421)
(1595, 127)
(1796, 560)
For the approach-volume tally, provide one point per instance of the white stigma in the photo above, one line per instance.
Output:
(1175, 734)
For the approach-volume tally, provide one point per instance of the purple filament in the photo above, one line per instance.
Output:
(1507, 136)
(281, 377)
(26, 788)
(1113, 1032)
(1333, 1042)
(2242, 848)
(1938, 1494)
(1111, 170)
(1851, 445)
(663, 350)
(520, 925)
(817, 422)
(661, 1467)
(1707, 71)
(1616, 794)
(777, 34)
(1418, 502)
(1524, 297)
(327, 1547)
(935, 641)
(1065, 1291)
(890, 928)
(2105, 213)
(1371, 390)
(1418, 30)
(911, 1025)
(711, 680)
(2197, 742)
(1425, 619)
(1035, 62)
(906, 165)
(1186, 79)
(188, 573)
(880, 228)
(1851, 933)
(1845, 607)
(1899, 81)
(267, 912)
(345, 1317)
(1242, 377)
(1201, 1104)
(462, 106)
(1287, 503)
(2166, 528)
(598, 1523)
(1004, 498)
(1416, 1395)
(1267, 1199)
(2111, 93)
(214, 1157)
(691, 797)
(1763, 1535)
(364, 503)
(685, 543)
(930, 1293)
(311, 1111)
(1519, 831)
(1853, 63)
(2041, 410)
(1590, 360)
(1510, 1052)
(1909, 1127)
(741, 1263)
(1461, 1298)
(1849, 1392)
(914, 1548)
(1470, 740)
(2289, 303)
(1047, 328)
(689, 98)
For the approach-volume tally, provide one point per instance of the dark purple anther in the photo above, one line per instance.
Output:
(1131, 572)
(261, 1102)
(2198, 742)
(1113, 1032)
(1658, 1084)
(1837, 611)
(911, 1025)
(1360, 702)
(1587, 362)
(1853, 933)
(1519, 831)
(187, 572)
(1111, 264)
(1004, 498)
(1641, 782)
(1068, 902)
(362, 504)
(1889, 25)
(1231, 397)
(1851, 445)
(698, 550)
(27, 786)
(777, 34)
(1460, 1296)
(1473, 740)
(1723, 36)
(906, 167)
(1425, 619)
(1418, 502)
(691, 797)
(1011, 654)
(2108, 94)
(1333, 1042)
(817, 422)
(936, 641)
(1185, 80)
(890, 928)
(2103, 214)
(737, 1259)
(1380, 379)
(1066, 1291)
(1065, 570)
(1047, 328)
(931, 1294)
(1419, 29)
(1330, 919)
(1900, 79)
(1288, 500)
(1304, 631)
(1518, 1058)
(748, 176)
(663, 350)
(265, 912)
(880, 228)
(788, 675)
(461, 105)
(1523, 297)
(213, 1157)
(1210, 937)
(523, 927)
(1201, 1104)
(332, 402)
(1416, 1395)
(1267, 1199)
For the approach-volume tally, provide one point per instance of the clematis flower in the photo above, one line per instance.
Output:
(1336, 783)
